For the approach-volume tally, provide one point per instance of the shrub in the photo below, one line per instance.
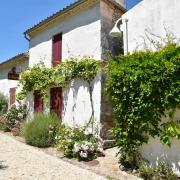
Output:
(40, 132)
(161, 172)
(3, 104)
(14, 117)
(2, 122)
(143, 87)
(75, 143)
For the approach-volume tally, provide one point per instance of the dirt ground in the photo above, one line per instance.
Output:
(20, 161)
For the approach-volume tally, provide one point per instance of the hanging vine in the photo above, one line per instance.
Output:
(42, 78)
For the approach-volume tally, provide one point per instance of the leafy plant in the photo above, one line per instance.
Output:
(170, 130)
(3, 104)
(14, 117)
(143, 87)
(75, 143)
(41, 130)
(41, 78)
(160, 172)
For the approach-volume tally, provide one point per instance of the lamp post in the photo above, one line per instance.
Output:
(117, 32)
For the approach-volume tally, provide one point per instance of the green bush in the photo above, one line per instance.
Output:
(3, 104)
(40, 132)
(143, 86)
(74, 142)
(161, 172)
(14, 117)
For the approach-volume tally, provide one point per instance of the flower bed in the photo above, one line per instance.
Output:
(75, 143)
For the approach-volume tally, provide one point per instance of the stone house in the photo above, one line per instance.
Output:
(80, 29)
(152, 19)
(9, 75)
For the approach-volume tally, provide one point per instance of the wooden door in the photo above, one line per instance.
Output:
(12, 95)
(38, 102)
(57, 49)
(56, 101)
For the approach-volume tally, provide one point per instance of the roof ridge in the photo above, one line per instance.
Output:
(54, 15)
(64, 10)
(25, 54)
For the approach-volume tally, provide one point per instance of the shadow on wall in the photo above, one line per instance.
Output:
(155, 151)
(29, 101)
(76, 101)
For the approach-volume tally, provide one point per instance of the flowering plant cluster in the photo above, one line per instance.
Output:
(14, 117)
(75, 143)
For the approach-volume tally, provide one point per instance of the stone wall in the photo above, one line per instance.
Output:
(110, 48)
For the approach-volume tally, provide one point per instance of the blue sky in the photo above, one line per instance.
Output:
(18, 15)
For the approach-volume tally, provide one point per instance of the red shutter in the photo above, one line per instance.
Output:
(12, 93)
(57, 49)
(38, 102)
(56, 101)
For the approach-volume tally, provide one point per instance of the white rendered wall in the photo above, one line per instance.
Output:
(81, 37)
(155, 151)
(155, 16)
(6, 84)
(151, 16)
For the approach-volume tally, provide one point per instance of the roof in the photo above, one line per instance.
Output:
(63, 12)
(16, 59)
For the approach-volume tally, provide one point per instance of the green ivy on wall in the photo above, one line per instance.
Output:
(143, 87)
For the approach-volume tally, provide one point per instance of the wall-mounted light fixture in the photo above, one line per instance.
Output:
(117, 32)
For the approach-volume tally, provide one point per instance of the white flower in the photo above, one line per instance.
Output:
(100, 150)
(83, 154)
(57, 137)
(89, 143)
(76, 148)
(20, 115)
(84, 147)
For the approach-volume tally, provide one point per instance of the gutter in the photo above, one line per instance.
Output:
(26, 37)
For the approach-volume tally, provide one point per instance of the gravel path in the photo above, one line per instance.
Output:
(22, 162)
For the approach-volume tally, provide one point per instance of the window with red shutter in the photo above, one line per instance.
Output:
(12, 95)
(38, 102)
(57, 49)
(56, 101)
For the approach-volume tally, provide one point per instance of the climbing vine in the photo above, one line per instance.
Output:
(144, 86)
(42, 78)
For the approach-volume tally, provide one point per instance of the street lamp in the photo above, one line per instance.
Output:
(117, 32)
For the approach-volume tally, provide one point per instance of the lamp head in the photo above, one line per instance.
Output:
(115, 32)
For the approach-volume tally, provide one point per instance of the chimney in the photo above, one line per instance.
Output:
(121, 2)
